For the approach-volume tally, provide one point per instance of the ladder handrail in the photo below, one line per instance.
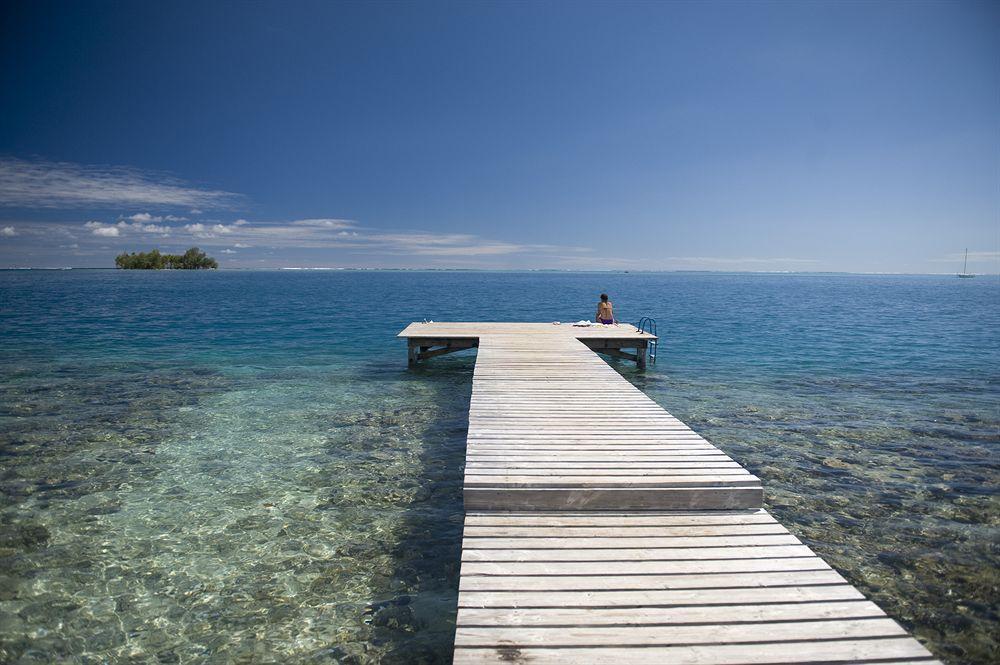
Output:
(641, 327)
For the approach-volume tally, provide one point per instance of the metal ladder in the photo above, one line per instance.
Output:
(648, 325)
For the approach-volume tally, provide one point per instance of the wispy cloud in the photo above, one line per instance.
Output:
(115, 230)
(205, 231)
(43, 184)
(322, 223)
(347, 234)
(977, 257)
(347, 240)
(146, 218)
(451, 244)
(8, 232)
(738, 261)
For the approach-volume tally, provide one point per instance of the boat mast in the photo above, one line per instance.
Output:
(965, 266)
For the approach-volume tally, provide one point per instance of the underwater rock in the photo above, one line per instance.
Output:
(399, 601)
(25, 536)
(9, 588)
(413, 654)
(336, 654)
(396, 618)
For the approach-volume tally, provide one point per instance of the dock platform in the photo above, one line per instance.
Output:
(600, 528)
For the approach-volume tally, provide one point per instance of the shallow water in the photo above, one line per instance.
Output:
(217, 467)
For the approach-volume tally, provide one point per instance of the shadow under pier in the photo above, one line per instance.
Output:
(413, 613)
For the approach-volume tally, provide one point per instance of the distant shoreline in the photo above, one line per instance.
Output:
(534, 270)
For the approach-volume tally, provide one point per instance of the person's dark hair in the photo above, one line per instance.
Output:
(604, 297)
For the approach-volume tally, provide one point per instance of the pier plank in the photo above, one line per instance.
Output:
(584, 594)
(600, 528)
(844, 651)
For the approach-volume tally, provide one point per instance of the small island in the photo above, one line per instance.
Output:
(193, 259)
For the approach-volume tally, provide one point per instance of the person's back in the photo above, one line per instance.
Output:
(605, 310)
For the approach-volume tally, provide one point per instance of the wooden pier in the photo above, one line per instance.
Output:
(599, 528)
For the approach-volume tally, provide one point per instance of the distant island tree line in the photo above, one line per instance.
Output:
(193, 259)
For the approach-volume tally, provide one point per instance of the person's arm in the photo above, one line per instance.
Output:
(597, 316)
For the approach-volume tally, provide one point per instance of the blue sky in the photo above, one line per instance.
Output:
(857, 136)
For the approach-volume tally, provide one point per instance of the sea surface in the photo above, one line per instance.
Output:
(226, 466)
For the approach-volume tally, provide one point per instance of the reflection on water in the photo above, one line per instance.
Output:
(217, 468)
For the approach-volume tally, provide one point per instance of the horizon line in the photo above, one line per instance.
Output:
(559, 270)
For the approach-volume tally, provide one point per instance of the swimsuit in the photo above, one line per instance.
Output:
(607, 322)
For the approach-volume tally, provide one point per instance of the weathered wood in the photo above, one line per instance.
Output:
(603, 529)
(698, 587)
(637, 616)
(632, 582)
(619, 532)
(843, 651)
(527, 341)
(426, 355)
(617, 353)
(643, 554)
(422, 348)
(522, 636)
(674, 519)
(680, 567)
(585, 438)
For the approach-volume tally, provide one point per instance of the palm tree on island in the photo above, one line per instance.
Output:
(193, 259)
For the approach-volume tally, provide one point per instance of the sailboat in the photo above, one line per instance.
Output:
(965, 274)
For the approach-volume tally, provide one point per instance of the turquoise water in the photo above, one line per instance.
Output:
(238, 466)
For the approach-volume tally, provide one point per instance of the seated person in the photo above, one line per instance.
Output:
(605, 311)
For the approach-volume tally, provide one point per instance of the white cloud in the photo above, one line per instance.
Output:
(346, 237)
(42, 184)
(333, 233)
(200, 230)
(102, 230)
(145, 217)
(123, 227)
(8, 232)
(149, 228)
(143, 228)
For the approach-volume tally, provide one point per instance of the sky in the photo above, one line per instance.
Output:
(813, 136)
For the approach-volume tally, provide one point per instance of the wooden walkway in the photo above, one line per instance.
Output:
(600, 528)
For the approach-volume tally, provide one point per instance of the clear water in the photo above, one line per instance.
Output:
(238, 467)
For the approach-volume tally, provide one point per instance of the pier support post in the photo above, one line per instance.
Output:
(641, 353)
(425, 348)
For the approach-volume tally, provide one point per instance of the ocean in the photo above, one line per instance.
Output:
(238, 466)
